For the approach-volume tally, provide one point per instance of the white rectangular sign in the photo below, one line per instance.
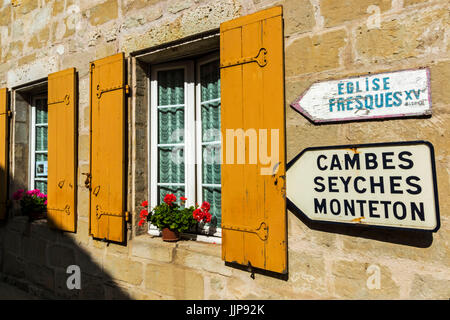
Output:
(394, 94)
(388, 184)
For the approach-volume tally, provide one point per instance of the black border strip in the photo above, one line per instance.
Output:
(292, 207)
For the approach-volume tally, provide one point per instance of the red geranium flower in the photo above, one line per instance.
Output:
(141, 222)
(144, 203)
(144, 213)
(206, 206)
(170, 198)
(202, 213)
(183, 198)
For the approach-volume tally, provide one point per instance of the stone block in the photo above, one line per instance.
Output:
(5, 16)
(61, 256)
(174, 281)
(84, 145)
(90, 260)
(40, 275)
(124, 269)
(42, 230)
(139, 4)
(429, 287)
(34, 250)
(407, 3)
(316, 53)
(153, 249)
(117, 249)
(25, 6)
(179, 5)
(440, 75)
(203, 262)
(420, 32)
(298, 16)
(13, 242)
(92, 288)
(351, 281)
(339, 12)
(19, 224)
(103, 12)
(13, 265)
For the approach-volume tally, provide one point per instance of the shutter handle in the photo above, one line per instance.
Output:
(87, 182)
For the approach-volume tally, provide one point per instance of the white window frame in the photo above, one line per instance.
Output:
(33, 124)
(189, 133)
(192, 139)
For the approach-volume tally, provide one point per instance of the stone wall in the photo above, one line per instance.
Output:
(324, 39)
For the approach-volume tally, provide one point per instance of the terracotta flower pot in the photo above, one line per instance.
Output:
(170, 235)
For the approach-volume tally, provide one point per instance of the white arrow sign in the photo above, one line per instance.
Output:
(395, 94)
(386, 184)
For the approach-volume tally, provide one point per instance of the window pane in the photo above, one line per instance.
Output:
(211, 164)
(171, 125)
(211, 121)
(213, 196)
(41, 138)
(177, 191)
(41, 185)
(41, 111)
(210, 118)
(171, 165)
(171, 87)
(210, 81)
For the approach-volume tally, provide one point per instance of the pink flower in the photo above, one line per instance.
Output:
(45, 202)
(18, 194)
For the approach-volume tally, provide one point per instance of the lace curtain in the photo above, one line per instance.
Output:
(40, 142)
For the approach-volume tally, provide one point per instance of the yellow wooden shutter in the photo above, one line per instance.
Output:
(62, 150)
(4, 122)
(107, 94)
(252, 84)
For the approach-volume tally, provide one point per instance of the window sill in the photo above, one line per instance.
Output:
(190, 236)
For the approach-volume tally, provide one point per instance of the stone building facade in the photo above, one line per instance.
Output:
(323, 40)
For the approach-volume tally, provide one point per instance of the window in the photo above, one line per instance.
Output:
(185, 138)
(38, 143)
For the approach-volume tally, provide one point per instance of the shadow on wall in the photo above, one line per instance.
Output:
(414, 238)
(37, 259)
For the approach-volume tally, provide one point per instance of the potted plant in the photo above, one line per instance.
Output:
(173, 218)
(33, 203)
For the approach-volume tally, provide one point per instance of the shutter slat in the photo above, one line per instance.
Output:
(4, 124)
(62, 150)
(253, 100)
(107, 208)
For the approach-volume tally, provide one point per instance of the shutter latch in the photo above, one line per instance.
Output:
(99, 213)
(87, 182)
(260, 59)
(262, 231)
(66, 209)
(65, 100)
(101, 91)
